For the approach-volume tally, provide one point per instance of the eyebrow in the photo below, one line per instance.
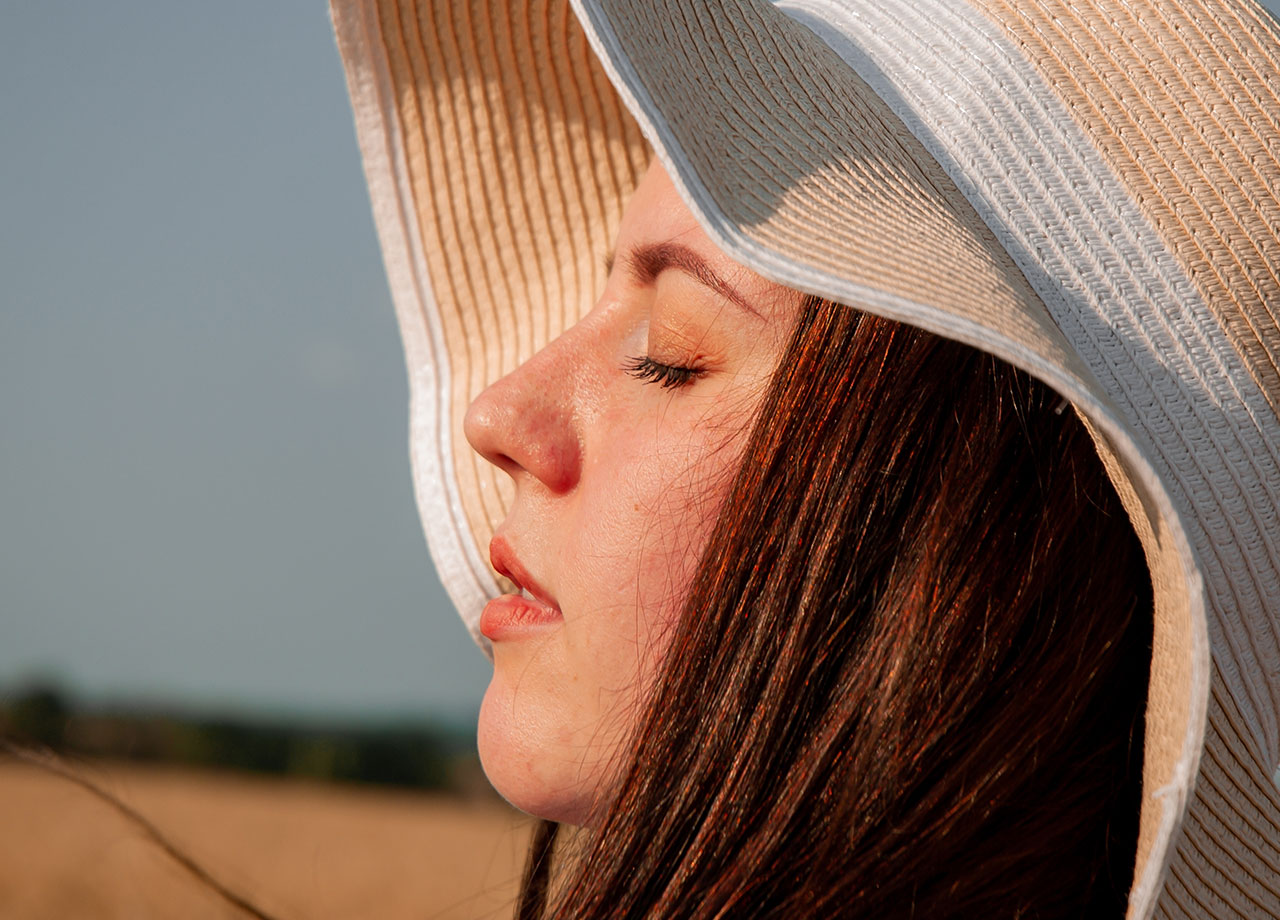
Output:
(645, 263)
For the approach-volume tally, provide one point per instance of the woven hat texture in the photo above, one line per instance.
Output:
(1089, 189)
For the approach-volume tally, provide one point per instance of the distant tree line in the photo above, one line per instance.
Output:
(418, 756)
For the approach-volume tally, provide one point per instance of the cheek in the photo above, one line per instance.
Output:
(647, 509)
(674, 524)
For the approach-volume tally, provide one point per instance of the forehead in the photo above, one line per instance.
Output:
(657, 216)
(656, 212)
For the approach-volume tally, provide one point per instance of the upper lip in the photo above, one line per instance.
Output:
(504, 560)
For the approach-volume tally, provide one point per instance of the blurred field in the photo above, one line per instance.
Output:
(296, 849)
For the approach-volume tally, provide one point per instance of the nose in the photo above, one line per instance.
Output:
(526, 425)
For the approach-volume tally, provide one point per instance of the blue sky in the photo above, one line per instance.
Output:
(204, 484)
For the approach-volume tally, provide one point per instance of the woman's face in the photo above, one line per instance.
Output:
(622, 437)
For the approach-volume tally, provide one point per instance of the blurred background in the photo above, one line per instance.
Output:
(210, 556)
(204, 482)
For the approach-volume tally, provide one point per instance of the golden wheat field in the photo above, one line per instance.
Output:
(296, 849)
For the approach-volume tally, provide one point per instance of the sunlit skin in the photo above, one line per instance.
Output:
(621, 437)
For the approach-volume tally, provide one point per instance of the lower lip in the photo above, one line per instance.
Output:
(513, 616)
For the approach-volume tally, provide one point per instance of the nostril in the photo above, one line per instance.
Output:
(523, 432)
(542, 440)
(554, 461)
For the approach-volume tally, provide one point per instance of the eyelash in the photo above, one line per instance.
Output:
(667, 376)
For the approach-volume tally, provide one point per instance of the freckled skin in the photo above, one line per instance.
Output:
(617, 482)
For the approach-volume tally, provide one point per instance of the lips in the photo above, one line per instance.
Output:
(515, 616)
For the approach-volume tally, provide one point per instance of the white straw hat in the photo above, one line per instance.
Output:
(1085, 188)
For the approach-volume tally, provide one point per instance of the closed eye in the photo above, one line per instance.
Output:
(667, 375)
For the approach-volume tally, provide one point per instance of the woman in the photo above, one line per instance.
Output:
(819, 613)
(875, 615)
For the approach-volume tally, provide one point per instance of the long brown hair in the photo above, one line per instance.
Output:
(910, 674)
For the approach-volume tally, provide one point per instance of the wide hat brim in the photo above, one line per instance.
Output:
(1086, 190)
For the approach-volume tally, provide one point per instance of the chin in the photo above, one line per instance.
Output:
(526, 754)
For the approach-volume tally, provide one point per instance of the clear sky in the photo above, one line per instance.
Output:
(204, 483)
